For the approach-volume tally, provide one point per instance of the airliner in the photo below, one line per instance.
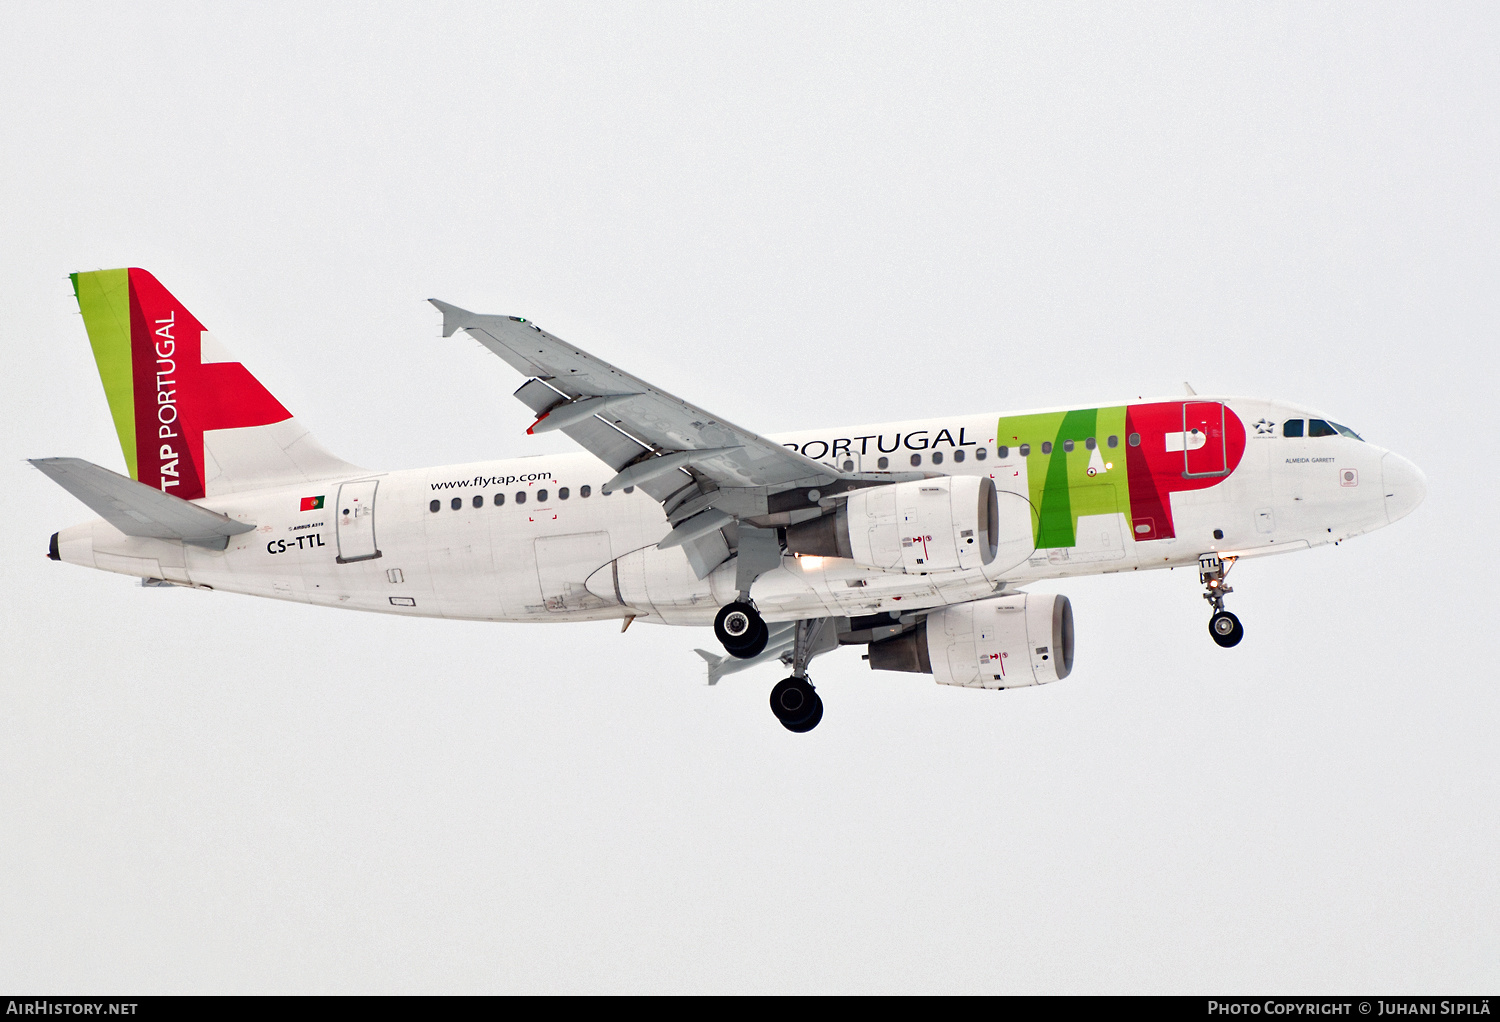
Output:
(914, 539)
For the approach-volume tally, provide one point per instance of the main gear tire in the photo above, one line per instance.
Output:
(794, 701)
(811, 721)
(741, 630)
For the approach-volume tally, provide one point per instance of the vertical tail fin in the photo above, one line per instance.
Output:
(192, 421)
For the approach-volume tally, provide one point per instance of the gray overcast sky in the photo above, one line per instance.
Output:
(796, 215)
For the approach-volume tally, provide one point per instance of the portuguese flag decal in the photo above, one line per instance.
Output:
(312, 503)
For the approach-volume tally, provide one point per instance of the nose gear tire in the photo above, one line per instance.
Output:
(1226, 629)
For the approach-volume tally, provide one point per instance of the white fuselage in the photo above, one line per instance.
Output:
(567, 556)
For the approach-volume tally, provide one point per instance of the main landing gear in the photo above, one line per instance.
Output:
(745, 634)
(794, 700)
(741, 629)
(1224, 627)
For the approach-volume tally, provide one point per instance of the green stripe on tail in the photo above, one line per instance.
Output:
(104, 299)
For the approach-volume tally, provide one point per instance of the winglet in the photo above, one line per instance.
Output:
(454, 318)
(713, 665)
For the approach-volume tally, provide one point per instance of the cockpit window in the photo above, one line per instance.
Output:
(1292, 427)
(1346, 431)
(1317, 427)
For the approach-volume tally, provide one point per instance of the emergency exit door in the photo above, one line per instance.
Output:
(356, 521)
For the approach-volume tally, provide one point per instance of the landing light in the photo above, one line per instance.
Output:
(810, 563)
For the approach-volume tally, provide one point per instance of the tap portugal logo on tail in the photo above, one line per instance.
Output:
(188, 414)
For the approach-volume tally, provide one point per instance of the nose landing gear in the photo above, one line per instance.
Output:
(1223, 627)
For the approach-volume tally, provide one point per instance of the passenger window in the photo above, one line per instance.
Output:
(541, 496)
(1317, 427)
(916, 459)
(457, 503)
(1292, 427)
(1135, 440)
(606, 490)
(937, 457)
(1046, 446)
(585, 490)
(520, 496)
(984, 452)
(848, 466)
(478, 500)
(630, 489)
(958, 455)
(1025, 450)
(434, 506)
(1114, 441)
(562, 493)
(1090, 443)
(499, 499)
(1068, 446)
(884, 463)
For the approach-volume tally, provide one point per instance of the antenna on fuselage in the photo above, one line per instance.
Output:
(1189, 388)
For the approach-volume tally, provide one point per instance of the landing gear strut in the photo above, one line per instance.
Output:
(741, 629)
(1224, 627)
(794, 700)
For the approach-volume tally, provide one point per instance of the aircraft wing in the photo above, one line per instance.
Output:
(628, 423)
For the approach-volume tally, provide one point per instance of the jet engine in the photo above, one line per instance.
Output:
(942, 524)
(1001, 642)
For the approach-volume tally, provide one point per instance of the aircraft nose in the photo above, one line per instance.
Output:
(1404, 484)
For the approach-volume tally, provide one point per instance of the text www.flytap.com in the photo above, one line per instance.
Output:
(464, 484)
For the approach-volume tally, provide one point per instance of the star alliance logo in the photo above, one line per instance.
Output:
(1264, 427)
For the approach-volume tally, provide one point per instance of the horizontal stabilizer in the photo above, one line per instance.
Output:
(783, 635)
(138, 510)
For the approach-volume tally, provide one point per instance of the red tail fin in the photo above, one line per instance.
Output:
(192, 421)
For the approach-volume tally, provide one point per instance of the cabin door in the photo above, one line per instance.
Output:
(356, 521)
(1203, 439)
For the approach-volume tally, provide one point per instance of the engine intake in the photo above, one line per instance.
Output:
(1002, 642)
(944, 524)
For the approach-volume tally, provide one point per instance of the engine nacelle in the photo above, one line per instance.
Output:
(944, 524)
(1002, 642)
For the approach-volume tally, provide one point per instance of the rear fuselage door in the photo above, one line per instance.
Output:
(356, 521)
(1203, 439)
